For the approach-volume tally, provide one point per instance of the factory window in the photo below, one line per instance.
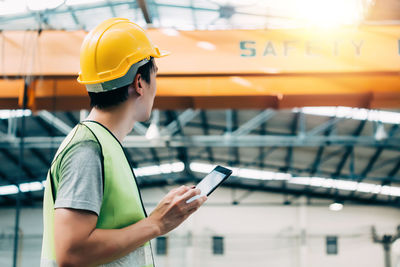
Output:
(218, 245)
(331, 245)
(161, 245)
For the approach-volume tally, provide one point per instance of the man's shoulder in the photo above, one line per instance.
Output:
(82, 149)
(83, 141)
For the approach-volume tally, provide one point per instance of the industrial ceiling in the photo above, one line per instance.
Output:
(342, 154)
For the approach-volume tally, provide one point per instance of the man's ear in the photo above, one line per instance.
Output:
(138, 84)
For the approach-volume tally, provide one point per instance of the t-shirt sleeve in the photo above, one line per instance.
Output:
(81, 181)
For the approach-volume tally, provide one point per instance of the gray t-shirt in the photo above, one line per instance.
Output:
(81, 187)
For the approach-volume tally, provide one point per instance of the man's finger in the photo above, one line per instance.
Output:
(182, 190)
(194, 205)
(191, 193)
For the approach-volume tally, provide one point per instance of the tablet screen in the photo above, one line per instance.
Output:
(208, 183)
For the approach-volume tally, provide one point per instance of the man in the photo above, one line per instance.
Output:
(93, 212)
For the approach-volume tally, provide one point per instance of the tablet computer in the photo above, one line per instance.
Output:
(209, 183)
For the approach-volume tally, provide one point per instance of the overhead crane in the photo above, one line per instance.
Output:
(236, 69)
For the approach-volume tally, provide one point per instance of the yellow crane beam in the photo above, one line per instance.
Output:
(348, 66)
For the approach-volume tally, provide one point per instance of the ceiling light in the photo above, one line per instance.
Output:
(380, 133)
(346, 185)
(365, 187)
(33, 186)
(353, 113)
(8, 190)
(390, 190)
(159, 169)
(201, 167)
(306, 181)
(243, 172)
(14, 113)
(336, 206)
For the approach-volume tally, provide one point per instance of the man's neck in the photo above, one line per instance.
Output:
(117, 120)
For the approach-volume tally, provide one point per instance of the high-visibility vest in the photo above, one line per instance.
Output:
(121, 205)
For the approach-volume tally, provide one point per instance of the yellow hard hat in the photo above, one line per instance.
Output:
(112, 52)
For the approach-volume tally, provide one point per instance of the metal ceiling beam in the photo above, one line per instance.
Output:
(149, 182)
(15, 161)
(394, 171)
(255, 122)
(11, 181)
(349, 153)
(297, 128)
(4, 128)
(145, 10)
(209, 125)
(113, 13)
(38, 154)
(3, 135)
(349, 149)
(234, 151)
(154, 154)
(131, 162)
(55, 122)
(12, 127)
(75, 18)
(140, 128)
(385, 163)
(71, 118)
(204, 125)
(179, 122)
(289, 154)
(377, 153)
(317, 162)
(47, 129)
(314, 194)
(192, 8)
(256, 141)
(295, 171)
(222, 141)
(237, 183)
(325, 126)
(183, 154)
(261, 154)
(229, 121)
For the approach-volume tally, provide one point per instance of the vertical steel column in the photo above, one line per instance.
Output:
(17, 182)
(303, 250)
(386, 246)
(386, 241)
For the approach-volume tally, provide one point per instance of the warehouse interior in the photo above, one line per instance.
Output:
(301, 99)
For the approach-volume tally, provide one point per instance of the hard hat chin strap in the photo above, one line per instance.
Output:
(125, 80)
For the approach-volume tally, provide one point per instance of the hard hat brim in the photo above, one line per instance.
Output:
(164, 53)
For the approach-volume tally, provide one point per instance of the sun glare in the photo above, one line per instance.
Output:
(330, 13)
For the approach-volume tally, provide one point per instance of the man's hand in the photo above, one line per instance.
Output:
(79, 243)
(173, 209)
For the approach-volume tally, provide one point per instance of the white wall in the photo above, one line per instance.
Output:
(260, 231)
(31, 221)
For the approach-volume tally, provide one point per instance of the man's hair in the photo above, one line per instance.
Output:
(115, 97)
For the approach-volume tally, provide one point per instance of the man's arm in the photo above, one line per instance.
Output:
(79, 243)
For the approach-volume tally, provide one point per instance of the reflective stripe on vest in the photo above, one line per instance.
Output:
(121, 205)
